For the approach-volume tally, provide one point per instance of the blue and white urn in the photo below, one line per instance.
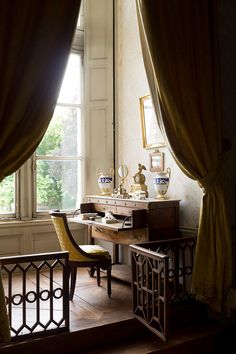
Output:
(105, 181)
(161, 183)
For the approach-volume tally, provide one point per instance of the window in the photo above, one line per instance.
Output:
(53, 178)
(59, 155)
(7, 195)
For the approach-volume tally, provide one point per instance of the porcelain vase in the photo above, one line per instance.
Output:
(161, 183)
(105, 181)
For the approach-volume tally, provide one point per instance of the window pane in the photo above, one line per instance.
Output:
(58, 185)
(7, 195)
(80, 22)
(71, 85)
(63, 136)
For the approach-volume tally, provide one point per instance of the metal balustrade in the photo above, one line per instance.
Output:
(161, 279)
(37, 293)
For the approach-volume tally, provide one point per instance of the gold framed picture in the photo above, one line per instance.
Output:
(151, 134)
(156, 161)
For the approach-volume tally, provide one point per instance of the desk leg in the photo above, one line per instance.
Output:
(115, 253)
(90, 238)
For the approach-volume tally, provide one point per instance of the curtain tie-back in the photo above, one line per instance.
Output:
(208, 182)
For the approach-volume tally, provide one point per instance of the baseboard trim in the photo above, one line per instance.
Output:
(187, 231)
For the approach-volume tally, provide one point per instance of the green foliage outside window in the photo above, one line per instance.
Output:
(48, 188)
(7, 195)
(56, 178)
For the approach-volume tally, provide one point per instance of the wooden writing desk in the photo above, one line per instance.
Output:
(152, 220)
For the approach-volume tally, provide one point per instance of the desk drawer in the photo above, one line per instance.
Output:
(116, 210)
(104, 207)
(123, 237)
(124, 211)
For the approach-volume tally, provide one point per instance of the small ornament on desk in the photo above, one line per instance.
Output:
(139, 181)
(161, 183)
(105, 181)
(138, 195)
(121, 192)
(109, 218)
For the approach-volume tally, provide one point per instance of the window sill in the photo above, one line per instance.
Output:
(33, 222)
(15, 222)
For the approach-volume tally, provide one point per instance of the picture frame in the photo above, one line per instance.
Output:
(156, 161)
(151, 134)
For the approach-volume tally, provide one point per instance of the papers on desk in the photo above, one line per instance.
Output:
(109, 218)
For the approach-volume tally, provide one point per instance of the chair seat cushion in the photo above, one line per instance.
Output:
(94, 249)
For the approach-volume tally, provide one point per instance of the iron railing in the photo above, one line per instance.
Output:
(161, 278)
(37, 293)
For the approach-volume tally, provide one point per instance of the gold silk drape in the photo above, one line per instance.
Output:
(180, 54)
(35, 41)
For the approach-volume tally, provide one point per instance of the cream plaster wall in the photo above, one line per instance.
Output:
(131, 83)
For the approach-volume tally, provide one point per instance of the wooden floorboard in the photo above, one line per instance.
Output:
(92, 307)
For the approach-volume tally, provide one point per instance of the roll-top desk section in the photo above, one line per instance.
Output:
(151, 219)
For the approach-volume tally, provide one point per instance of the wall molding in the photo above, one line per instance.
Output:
(188, 231)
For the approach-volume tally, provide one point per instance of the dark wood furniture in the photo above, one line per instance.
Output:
(36, 307)
(151, 220)
(161, 283)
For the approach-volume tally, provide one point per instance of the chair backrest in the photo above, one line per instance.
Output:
(66, 239)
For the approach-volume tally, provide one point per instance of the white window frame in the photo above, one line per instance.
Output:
(62, 158)
(15, 215)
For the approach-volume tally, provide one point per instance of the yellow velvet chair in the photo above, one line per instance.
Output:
(92, 256)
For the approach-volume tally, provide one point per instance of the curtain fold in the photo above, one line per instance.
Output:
(179, 44)
(35, 41)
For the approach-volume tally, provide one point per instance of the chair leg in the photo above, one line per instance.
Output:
(109, 281)
(91, 271)
(98, 276)
(72, 282)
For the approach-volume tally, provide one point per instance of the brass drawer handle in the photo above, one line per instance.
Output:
(98, 229)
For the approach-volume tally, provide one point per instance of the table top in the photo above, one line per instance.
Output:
(147, 203)
(118, 226)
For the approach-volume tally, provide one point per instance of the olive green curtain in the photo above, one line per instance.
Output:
(35, 41)
(179, 45)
